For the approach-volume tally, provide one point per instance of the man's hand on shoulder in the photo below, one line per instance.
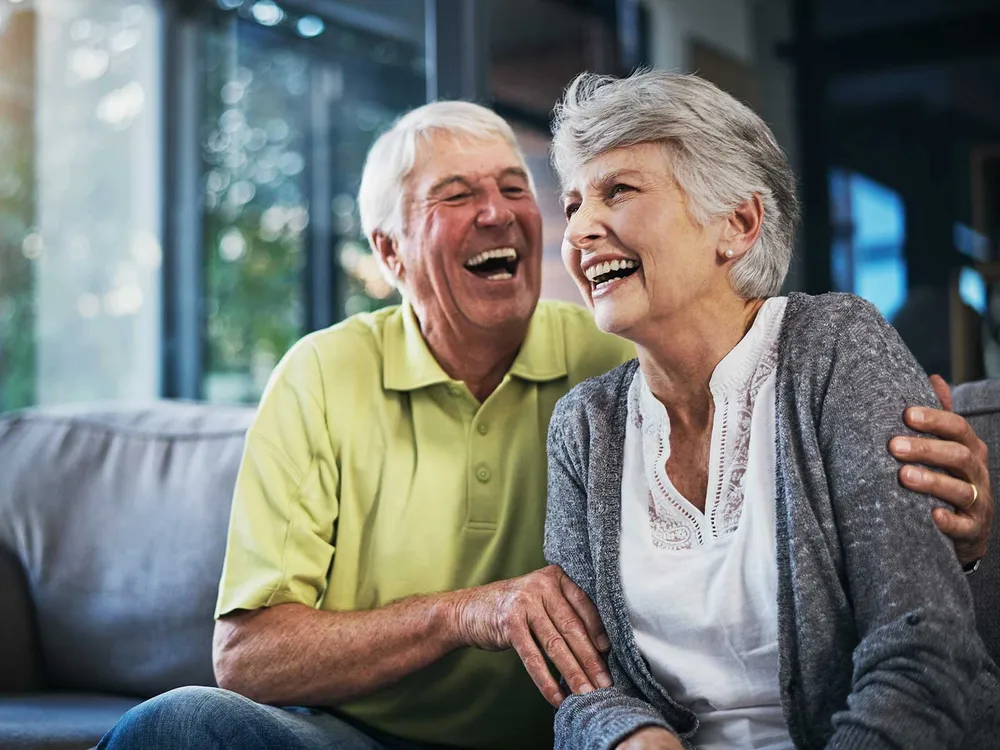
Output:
(954, 447)
(541, 609)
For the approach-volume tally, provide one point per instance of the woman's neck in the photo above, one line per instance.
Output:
(680, 355)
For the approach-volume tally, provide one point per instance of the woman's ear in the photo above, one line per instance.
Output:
(742, 228)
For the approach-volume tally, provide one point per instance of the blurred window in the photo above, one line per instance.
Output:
(79, 201)
(293, 103)
(972, 289)
(869, 235)
(256, 208)
(290, 101)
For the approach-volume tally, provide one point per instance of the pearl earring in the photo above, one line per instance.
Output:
(729, 253)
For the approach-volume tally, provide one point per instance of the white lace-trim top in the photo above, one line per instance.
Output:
(674, 522)
(701, 588)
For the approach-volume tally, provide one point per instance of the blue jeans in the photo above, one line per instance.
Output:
(202, 718)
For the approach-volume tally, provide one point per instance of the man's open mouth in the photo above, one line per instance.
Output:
(494, 265)
(602, 273)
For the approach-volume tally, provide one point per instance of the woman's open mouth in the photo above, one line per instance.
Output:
(494, 265)
(604, 273)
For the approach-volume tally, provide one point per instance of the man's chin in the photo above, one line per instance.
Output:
(502, 314)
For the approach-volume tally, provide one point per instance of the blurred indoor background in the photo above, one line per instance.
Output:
(177, 177)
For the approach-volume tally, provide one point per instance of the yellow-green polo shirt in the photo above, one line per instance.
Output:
(369, 475)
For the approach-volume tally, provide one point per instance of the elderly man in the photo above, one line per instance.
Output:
(384, 558)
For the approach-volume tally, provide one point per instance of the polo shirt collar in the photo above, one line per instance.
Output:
(543, 354)
(409, 364)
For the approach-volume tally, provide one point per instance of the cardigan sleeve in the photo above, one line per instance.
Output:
(605, 717)
(917, 655)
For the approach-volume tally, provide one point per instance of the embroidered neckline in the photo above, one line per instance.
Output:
(675, 523)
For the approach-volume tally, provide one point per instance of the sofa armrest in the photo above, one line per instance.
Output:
(20, 667)
(979, 402)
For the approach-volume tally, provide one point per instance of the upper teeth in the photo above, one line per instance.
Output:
(501, 252)
(608, 266)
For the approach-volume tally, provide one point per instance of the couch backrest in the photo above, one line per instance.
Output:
(118, 516)
(979, 402)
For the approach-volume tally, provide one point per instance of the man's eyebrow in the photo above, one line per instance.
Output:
(447, 182)
(457, 179)
(514, 172)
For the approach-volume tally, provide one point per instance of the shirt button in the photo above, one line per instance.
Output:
(455, 390)
(483, 474)
(482, 428)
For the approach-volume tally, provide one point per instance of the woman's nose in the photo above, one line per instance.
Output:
(584, 228)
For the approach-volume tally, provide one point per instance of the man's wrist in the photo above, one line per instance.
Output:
(447, 618)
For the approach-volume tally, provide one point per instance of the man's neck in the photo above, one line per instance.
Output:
(479, 359)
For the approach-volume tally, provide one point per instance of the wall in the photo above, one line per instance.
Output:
(746, 32)
(725, 24)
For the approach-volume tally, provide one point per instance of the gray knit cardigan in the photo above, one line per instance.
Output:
(877, 638)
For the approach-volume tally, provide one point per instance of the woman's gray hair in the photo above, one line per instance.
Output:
(721, 153)
(392, 156)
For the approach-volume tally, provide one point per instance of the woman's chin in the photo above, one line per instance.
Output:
(614, 321)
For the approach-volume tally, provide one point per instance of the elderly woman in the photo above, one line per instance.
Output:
(726, 500)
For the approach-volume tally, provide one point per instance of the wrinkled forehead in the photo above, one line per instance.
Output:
(644, 161)
(441, 156)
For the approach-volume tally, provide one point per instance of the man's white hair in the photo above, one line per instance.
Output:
(721, 153)
(392, 156)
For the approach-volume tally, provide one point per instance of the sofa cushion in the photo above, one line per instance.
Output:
(118, 516)
(58, 721)
(979, 402)
(20, 671)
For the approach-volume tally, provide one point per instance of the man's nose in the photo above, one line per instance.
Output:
(494, 211)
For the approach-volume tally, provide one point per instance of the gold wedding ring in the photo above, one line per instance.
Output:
(975, 497)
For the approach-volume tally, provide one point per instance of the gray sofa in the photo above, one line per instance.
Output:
(112, 532)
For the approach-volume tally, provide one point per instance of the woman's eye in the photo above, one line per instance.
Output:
(457, 197)
(571, 208)
(619, 189)
(513, 190)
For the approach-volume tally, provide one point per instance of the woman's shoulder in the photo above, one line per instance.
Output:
(831, 311)
(837, 341)
(598, 397)
(835, 324)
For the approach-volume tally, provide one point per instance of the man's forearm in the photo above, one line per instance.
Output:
(292, 654)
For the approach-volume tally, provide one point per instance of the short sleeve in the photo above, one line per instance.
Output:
(281, 528)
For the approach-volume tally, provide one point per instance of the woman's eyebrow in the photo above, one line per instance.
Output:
(602, 182)
(568, 195)
(609, 178)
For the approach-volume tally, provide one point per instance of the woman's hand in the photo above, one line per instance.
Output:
(957, 449)
(651, 738)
